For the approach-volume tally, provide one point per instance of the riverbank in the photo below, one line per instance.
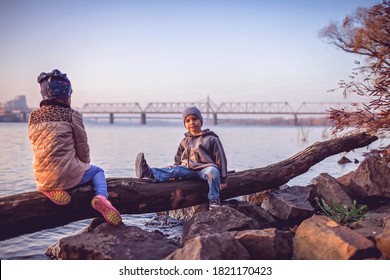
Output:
(288, 223)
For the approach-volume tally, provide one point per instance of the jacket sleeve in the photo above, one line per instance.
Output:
(180, 149)
(220, 159)
(80, 137)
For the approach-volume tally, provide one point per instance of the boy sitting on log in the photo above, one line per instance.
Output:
(200, 155)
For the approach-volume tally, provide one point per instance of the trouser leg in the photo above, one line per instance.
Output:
(212, 176)
(172, 172)
(96, 175)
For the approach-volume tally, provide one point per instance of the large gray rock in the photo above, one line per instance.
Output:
(218, 220)
(290, 205)
(211, 247)
(321, 238)
(107, 242)
(255, 212)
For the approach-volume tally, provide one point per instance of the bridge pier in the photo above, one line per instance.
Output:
(111, 118)
(215, 119)
(143, 118)
(296, 119)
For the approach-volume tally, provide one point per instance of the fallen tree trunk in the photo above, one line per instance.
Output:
(32, 211)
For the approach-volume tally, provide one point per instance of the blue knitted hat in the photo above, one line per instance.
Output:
(54, 85)
(192, 111)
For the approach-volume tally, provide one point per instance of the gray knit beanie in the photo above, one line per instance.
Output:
(192, 111)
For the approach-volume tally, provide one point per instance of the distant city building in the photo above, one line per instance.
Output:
(15, 110)
(19, 103)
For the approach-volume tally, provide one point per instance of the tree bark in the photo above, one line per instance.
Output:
(32, 211)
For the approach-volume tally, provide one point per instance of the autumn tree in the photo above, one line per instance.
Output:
(365, 33)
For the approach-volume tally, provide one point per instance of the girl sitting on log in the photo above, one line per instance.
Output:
(60, 148)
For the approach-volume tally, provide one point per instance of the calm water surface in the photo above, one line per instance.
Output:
(114, 147)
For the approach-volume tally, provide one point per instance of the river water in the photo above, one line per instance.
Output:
(115, 146)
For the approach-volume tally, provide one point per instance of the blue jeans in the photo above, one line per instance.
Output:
(210, 174)
(96, 175)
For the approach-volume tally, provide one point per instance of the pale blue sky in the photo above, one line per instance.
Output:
(171, 50)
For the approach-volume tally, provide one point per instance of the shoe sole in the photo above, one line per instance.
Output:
(110, 214)
(214, 207)
(61, 198)
(138, 165)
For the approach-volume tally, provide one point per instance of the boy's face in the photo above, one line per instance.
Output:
(193, 124)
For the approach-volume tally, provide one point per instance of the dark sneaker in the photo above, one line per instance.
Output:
(214, 203)
(142, 169)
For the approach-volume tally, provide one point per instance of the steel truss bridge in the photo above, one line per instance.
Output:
(225, 108)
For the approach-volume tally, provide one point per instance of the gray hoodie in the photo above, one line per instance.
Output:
(200, 151)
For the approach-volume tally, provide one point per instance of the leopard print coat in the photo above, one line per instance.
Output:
(60, 146)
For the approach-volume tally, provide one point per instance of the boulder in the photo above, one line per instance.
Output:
(107, 242)
(255, 212)
(211, 247)
(266, 244)
(327, 188)
(344, 160)
(373, 224)
(217, 220)
(370, 179)
(321, 238)
(383, 240)
(290, 205)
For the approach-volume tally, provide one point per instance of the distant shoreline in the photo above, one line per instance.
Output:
(309, 121)
(260, 122)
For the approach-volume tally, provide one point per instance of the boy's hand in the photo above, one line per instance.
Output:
(222, 186)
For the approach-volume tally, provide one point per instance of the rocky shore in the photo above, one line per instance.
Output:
(287, 223)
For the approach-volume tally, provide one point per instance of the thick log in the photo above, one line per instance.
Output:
(32, 211)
